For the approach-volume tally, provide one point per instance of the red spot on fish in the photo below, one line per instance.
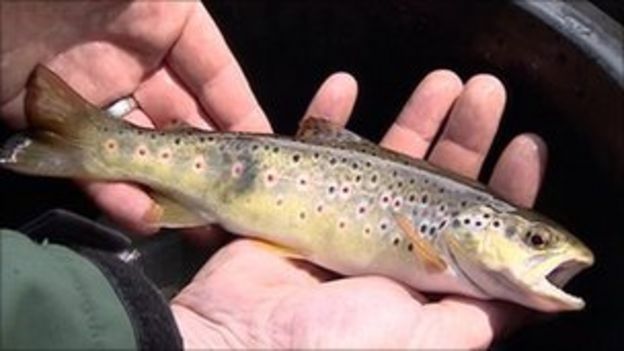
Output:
(237, 169)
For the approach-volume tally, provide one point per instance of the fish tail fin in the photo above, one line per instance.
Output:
(62, 130)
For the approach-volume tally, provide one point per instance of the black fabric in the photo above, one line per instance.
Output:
(150, 314)
(67, 228)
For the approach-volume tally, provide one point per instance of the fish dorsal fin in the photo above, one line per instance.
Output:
(177, 125)
(426, 252)
(169, 213)
(321, 131)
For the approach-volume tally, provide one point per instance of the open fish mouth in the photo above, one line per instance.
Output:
(551, 286)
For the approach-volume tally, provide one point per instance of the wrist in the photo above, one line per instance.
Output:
(198, 332)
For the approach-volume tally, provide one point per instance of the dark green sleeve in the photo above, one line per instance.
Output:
(53, 297)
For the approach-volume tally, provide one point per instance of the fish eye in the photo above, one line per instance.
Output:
(538, 239)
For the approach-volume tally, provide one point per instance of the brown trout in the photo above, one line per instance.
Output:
(328, 195)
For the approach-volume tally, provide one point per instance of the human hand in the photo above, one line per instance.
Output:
(168, 54)
(247, 297)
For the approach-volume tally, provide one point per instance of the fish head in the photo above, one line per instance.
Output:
(517, 256)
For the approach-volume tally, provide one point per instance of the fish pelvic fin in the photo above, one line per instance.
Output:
(62, 126)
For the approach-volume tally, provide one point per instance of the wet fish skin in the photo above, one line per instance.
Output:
(334, 198)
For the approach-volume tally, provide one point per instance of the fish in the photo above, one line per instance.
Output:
(326, 195)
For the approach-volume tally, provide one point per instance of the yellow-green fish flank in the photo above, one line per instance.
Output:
(330, 196)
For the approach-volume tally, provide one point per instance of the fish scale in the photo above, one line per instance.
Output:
(327, 195)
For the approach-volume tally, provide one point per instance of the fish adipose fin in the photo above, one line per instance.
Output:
(168, 213)
(427, 253)
(61, 128)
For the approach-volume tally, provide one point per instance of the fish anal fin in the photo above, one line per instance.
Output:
(168, 213)
(277, 249)
(426, 252)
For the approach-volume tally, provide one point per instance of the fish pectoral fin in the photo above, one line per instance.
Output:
(168, 213)
(426, 252)
(277, 249)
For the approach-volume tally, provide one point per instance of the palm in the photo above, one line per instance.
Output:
(253, 298)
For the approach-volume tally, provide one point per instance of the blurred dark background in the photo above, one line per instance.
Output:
(562, 66)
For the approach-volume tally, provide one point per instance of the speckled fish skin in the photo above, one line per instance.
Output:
(330, 196)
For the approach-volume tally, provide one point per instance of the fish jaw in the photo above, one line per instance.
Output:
(504, 268)
(546, 292)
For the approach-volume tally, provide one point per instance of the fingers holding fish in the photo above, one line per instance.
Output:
(126, 204)
(520, 169)
(423, 114)
(335, 99)
(165, 100)
(214, 76)
(471, 323)
(471, 127)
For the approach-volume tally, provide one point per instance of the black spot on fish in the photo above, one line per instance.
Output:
(358, 178)
(374, 178)
(467, 221)
(332, 161)
(396, 241)
(496, 224)
(354, 166)
(510, 231)
(410, 247)
(423, 228)
(276, 150)
(442, 224)
(456, 223)
(432, 230)
(177, 141)
(424, 199)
